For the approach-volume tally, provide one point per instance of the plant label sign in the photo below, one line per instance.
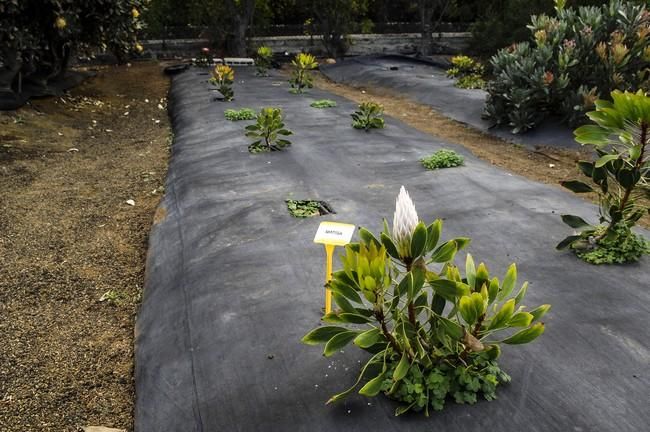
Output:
(334, 233)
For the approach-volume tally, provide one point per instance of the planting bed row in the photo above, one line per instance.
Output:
(234, 281)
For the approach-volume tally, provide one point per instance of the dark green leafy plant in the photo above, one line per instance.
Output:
(621, 179)
(267, 131)
(305, 208)
(571, 60)
(368, 116)
(443, 158)
(467, 72)
(431, 333)
(263, 60)
(323, 103)
(301, 75)
(241, 114)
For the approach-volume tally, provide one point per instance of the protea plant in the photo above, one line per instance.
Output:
(300, 77)
(431, 334)
(263, 60)
(223, 77)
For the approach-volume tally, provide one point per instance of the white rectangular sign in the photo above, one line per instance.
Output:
(334, 233)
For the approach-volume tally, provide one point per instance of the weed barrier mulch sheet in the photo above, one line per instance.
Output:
(234, 282)
(428, 84)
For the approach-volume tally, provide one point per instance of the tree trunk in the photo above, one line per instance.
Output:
(426, 14)
(12, 64)
(242, 17)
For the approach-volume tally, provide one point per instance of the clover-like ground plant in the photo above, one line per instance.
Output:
(301, 75)
(368, 116)
(240, 114)
(432, 332)
(619, 176)
(223, 77)
(263, 60)
(267, 131)
(443, 158)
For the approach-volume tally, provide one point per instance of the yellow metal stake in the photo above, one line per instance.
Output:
(332, 234)
(329, 251)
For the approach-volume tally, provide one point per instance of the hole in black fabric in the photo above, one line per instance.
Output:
(308, 208)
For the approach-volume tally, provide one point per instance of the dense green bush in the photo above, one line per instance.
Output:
(301, 77)
(38, 38)
(571, 60)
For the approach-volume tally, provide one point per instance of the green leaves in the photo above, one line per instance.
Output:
(368, 116)
(418, 240)
(575, 221)
(266, 130)
(526, 335)
(576, 186)
(322, 334)
(373, 386)
(339, 341)
(369, 338)
(472, 307)
(509, 282)
(449, 290)
(402, 368)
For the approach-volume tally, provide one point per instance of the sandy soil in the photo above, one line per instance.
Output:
(73, 250)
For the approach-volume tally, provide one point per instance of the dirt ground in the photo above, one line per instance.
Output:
(543, 164)
(73, 250)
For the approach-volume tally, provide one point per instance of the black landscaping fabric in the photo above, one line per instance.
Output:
(233, 281)
(426, 83)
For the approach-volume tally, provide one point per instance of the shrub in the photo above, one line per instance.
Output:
(368, 116)
(38, 38)
(263, 60)
(442, 159)
(468, 72)
(241, 114)
(203, 58)
(621, 176)
(223, 77)
(323, 103)
(267, 131)
(432, 333)
(571, 60)
(301, 76)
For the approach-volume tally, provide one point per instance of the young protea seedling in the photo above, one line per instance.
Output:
(405, 220)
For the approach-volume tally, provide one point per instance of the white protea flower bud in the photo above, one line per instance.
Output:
(404, 222)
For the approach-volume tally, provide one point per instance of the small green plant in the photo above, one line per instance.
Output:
(263, 60)
(621, 178)
(267, 131)
(432, 334)
(301, 76)
(305, 208)
(368, 116)
(323, 103)
(241, 114)
(467, 71)
(223, 77)
(442, 159)
(204, 58)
